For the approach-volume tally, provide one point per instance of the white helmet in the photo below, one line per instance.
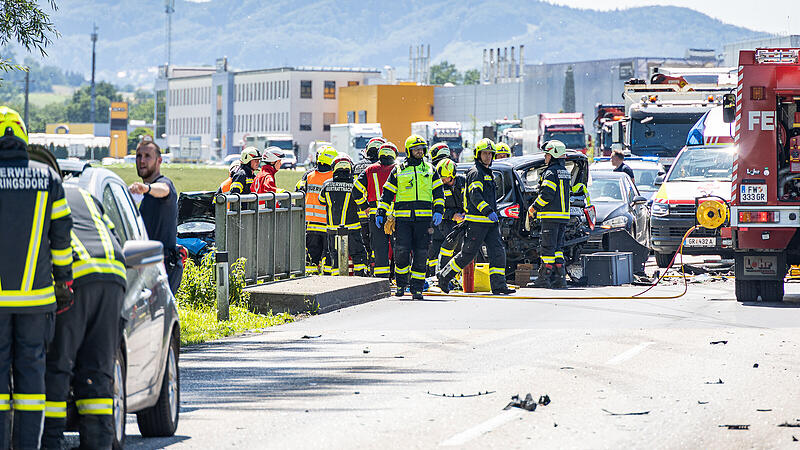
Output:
(271, 155)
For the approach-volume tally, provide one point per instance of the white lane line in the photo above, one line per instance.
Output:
(476, 431)
(628, 354)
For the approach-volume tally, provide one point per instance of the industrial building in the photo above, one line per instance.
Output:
(731, 51)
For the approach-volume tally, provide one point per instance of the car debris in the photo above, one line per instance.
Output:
(366, 350)
(755, 366)
(736, 427)
(794, 439)
(460, 395)
(763, 410)
(640, 413)
(701, 403)
(718, 342)
(528, 403)
(567, 368)
(716, 382)
(790, 425)
(306, 336)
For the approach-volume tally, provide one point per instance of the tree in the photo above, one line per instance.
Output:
(472, 76)
(569, 91)
(143, 111)
(26, 23)
(133, 138)
(80, 107)
(444, 72)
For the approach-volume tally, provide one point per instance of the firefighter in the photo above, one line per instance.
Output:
(551, 207)
(87, 333)
(439, 152)
(453, 185)
(264, 182)
(370, 157)
(316, 216)
(503, 151)
(369, 186)
(416, 191)
(242, 180)
(225, 186)
(36, 223)
(343, 212)
(482, 224)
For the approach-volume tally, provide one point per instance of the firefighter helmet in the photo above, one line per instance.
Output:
(388, 149)
(271, 155)
(446, 168)
(373, 147)
(326, 155)
(440, 150)
(555, 148)
(484, 145)
(342, 162)
(501, 148)
(414, 141)
(12, 124)
(249, 154)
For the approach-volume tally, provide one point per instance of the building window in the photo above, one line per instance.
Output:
(351, 117)
(327, 120)
(305, 89)
(305, 121)
(330, 90)
(161, 113)
(352, 83)
(362, 116)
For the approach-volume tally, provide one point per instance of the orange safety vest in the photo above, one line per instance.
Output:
(316, 213)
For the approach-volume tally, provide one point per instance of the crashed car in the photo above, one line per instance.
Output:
(196, 222)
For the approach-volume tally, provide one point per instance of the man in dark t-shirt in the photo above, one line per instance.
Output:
(159, 207)
(617, 160)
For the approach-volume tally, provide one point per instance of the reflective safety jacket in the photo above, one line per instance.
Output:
(479, 197)
(369, 186)
(454, 197)
(97, 254)
(36, 222)
(341, 208)
(555, 185)
(416, 192)
(242, 180)
(316, 213)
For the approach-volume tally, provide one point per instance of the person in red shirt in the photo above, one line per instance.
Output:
(265, 180)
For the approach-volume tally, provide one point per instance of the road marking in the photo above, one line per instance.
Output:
(628, 354)
(485, 427)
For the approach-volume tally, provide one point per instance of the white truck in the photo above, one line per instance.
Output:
(262, 141)
(352, 138)
(447, 132)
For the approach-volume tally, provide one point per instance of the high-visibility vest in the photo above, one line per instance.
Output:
(316, 213)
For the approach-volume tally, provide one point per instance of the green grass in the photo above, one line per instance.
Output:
(200, 324)
(40, 99)
(193, 177)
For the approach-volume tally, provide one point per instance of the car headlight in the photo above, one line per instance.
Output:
(659, 209)
(616, 222)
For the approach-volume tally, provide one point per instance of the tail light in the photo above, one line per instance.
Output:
(759, 216)
(591, 216)
(510, 211)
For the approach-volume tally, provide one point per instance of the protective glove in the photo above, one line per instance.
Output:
(437, 219)
(379, 220)
(64, 296)
(493, 216)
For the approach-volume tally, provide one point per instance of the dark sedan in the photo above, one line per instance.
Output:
(619, 204)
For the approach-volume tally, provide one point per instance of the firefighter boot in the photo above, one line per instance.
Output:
(504, 290)
(560, 277)
(401, 291)
(543, 280)
(444, 277)
(417, 295)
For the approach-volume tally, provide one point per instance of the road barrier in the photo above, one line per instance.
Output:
(272, 239)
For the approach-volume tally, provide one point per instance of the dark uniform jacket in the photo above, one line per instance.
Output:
(337, 196)
(361, 166)
(555, 186)
(36, 222)
(415, 190)
(454, 197)
(242, 180)
(369, 186)
(479, 196)
(97, 254)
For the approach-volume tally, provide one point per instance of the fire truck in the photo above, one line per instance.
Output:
(604, 115)
(765, 193)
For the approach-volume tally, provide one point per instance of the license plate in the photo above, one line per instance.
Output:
(760, 265)
(753, 193)
(575, 211)
(700, 242)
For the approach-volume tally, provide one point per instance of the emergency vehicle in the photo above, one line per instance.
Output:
(566, 127)
(447, 132)
(765, 196)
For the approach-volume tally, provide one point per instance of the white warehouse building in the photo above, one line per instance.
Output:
(220, 108)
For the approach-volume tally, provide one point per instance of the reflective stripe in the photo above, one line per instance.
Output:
(237, 185)
(361, 214)
(322, 215)
(377, 186)
(548, 259)
(540, 201)
(95, 406)
(34, 297)
(454, 266)
(436, 183)
(446, 252)
(330, 210)
(402, 270)
(360, 187)
(358, 267)
(482, 205)
(475, 185)
(55, 410)
(35, 241)
(549, 184)
(552, 215)
(312, 270)
(497, 271)
(98, 265)
(563, 208)
(353, 226)
(311, 226)
(479, 219)
(108, 222)
(105, 238)
(560, 255)
(390, 187)
(448, 192)
(317, 207)
(418, 275)
(438, 201)
(432, 262)
(381, 270)
(402, 213)
(61, 257)
(60, 209)
(5, 402)
(345, 207)
(28, 402)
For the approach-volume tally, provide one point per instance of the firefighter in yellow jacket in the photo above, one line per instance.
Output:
(35, 221)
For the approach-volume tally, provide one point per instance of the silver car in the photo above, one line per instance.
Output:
(146, 377)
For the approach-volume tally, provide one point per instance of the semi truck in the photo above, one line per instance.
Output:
(352, 138)
(447, 132)
(262, 141)
(604, 115)
(765, 193)
(566, 127)
(499, 126)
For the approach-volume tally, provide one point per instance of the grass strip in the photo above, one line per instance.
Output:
(199, 324)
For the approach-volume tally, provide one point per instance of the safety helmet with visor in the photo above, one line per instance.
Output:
(12, 125)
(555, 148)
(415, 141)
(484, 145)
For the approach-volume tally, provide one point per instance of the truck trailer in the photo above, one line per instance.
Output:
(352, 138)
(566, 127)
(447, 132)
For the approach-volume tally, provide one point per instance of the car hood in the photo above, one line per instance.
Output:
(684, 192)
(196, 207)
(607, 210)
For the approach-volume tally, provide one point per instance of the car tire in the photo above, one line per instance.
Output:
(663, 259)
(120, 400)
(747, 290)
(772, 290)
(162, 418)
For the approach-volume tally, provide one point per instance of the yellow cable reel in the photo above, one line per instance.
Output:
(712, 214)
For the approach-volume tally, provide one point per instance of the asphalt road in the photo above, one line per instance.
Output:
(363, 377)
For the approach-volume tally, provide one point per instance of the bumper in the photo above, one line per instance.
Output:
(666, 234)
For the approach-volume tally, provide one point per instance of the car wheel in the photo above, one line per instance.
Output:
(162, 418)
(663, 259)
(120, 400)
(772, 290)
(747, 290)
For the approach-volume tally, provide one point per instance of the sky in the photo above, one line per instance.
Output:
(759, 15)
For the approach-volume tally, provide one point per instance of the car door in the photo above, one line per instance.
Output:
(639, 212)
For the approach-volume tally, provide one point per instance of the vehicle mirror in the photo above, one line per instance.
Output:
(639, 200)
(142, 253)
(616, 132)
(659, 180)
(728, 108)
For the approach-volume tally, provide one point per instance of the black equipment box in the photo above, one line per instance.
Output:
(608, 268)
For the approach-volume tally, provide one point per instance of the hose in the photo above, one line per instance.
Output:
(638, 296)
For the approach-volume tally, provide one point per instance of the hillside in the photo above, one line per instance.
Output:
(255, 34)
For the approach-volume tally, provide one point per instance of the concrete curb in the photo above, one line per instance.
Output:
(319, 294)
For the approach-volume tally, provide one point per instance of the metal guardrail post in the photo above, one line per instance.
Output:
(223, 305)
(343, 251)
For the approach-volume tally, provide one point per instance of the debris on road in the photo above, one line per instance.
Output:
(460, 395)
(567, 368)
(794, 439)
(311, 337)
(528, 403)
(736, 427)
(702, 278)
(718, 342)
(755, 366)
(691, 269)
(701, 403)
(366, 350)
(790, 425)
(716, 382)
(763, 410)
(641, 413)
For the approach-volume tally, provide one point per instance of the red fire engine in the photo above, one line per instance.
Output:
(765, 197)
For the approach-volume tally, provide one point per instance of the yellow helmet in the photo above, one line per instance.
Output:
(415, 140)
(484, 145)
(388, 149)
(555, 148)
(501, 148)
(326, 155)
(11, 120)
(446, 168)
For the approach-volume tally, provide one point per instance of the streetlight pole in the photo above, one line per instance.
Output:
(94, 96)
(27, 89)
